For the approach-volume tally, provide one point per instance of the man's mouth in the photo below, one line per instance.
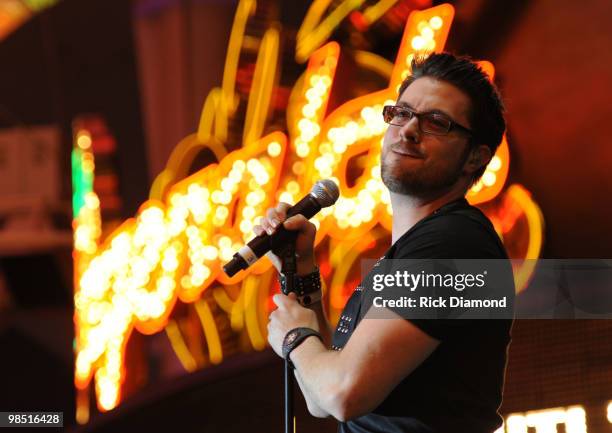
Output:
(400, 150)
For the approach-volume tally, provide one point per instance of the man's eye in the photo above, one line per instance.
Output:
(438, 121)
(401, 113)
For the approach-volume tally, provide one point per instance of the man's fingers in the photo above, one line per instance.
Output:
(299, 222)
(266, 225)
(258, 230)
(282, 301)
(273, 217)
(282, 208)
(279, 300)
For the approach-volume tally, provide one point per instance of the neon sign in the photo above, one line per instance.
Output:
(572, 418)
(173, 249)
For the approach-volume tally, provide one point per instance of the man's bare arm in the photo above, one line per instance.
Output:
(314, 409)
(354, 381)
(326, 332)
(324, 326)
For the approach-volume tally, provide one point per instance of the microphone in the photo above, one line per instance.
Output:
(323, 194)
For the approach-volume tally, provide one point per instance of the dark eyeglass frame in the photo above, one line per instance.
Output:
(388, 115)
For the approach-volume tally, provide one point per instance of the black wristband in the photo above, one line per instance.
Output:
(307, 287)
(294, 338)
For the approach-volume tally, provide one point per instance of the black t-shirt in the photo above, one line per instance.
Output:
(458, 388)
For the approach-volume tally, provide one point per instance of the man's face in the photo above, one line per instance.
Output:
(420, 164)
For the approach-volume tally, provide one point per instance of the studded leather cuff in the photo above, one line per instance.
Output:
(307, 287)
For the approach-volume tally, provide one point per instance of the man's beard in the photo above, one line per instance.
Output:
(423, 181)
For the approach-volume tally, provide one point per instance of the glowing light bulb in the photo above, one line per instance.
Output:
(309, 110)
(477, 186)
(298, 167)
(274, 149)
(84, 140)
(418, 43)
(495, 163)
(436, 22)
(489, 178)
(286, 197)
(427, 32)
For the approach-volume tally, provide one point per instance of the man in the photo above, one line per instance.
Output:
(399, 375)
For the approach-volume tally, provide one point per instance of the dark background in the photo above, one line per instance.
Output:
(553, 66)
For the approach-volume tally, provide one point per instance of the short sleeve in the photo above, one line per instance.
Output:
(449, 237)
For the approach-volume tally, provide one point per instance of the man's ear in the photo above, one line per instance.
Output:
(479, 157)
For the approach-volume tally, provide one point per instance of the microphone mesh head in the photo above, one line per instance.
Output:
(325, 192)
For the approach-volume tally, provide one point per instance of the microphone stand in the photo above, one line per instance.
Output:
(286, 253)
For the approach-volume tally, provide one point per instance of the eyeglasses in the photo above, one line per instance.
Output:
(429, 123)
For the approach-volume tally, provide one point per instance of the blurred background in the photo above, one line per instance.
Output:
(103, 107)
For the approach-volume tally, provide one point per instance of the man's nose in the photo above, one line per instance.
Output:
(410, 131)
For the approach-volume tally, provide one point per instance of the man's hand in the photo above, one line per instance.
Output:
(289, 315)
(304, 245)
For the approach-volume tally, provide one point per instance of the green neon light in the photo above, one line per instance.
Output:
(82, 182)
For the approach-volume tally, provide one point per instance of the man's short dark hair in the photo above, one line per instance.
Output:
(487, 110)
